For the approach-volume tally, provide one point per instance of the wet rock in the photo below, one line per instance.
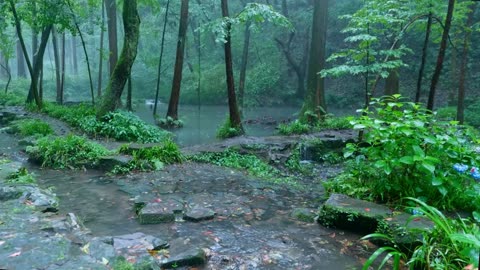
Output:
(99, 249)
(197, 214)
(304, 214)
(8, 169)
(108, 163)
(28, 141)
(6, 117)
(355, 215)
(160, 212)
(137, 244)
(6, 130)
(139, 146)
(406, 231)
(43, 200)
(182, 254)
(9, 193)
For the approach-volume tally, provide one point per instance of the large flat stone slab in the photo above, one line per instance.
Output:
(182, 254)
(197, 214)
(160, 212)
(341, 211)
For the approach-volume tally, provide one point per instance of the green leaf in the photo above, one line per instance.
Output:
(437, 181)
(359, 126)
(418, 151)
(442, 190)
(476, 216)
(428, 166)
(407, 160)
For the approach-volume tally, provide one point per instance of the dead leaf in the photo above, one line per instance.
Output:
(86, 248)
(332, 235)
(367, 209)
(16, 254)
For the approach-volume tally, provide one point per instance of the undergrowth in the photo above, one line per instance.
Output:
(66, 152)
(329, 122)
(32, 127)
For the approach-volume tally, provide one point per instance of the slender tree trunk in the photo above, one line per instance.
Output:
(441, 56)
(21, 72)
(129, 93)
(235, 120)
(74, 55)
(177, 75)
(37, 67)
(463, 67)
(111, 8)
(100, 60)
(56, 57)
(8, 73)
(160, 59)
(243, 67)
(424, 57)
(453, 76)
(131, 24)
(62, 81)
(315, 98)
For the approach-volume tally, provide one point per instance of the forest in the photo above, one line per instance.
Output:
(339, 134)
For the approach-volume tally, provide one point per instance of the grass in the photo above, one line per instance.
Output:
(32, 127)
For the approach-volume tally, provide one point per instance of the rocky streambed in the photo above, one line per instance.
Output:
(188, 216)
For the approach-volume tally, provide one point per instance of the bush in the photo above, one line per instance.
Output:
(153, 158)
(406, 152)
(12, 99)
(328, 123)
(227, 131)
(66, 152)
(32, 127)
(295, 127)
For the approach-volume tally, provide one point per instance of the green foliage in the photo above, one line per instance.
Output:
(329, 122)
(406, 152)
(11, 99)
(119, 125)
(233, 159)
(472, 114)
(228, 131)
(122, 264)
(22, 176)
(169, 122)
(66, 152)
(32, 127)
(153, 158)
(450, 244)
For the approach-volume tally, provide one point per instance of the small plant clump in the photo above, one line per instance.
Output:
(32, 127)
(406, 152)
(22, 176)
(228, 131)
(66, 152)
(327, 123)
(153, 158)
(11, 99)
(169, 122)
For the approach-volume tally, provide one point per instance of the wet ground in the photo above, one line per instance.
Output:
(253, 228)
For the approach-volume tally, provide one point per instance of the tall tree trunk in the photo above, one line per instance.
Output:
(315, 98)
(74, 55)
(37, 67)
(441, 56)
(8, 73)
(21, 71)
(111, 8)
(131, 24)
(160, 59)
(453, 76)
(234, 114)
(177, 75)
(463, 67)
(100, 60)
(56, 57)
(424, 57)
(129, 93)
(243, 67)
(18, 29)
(62, 81)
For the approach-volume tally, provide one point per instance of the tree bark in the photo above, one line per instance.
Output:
(59, 97)
(392, 83)
(111, 8)
(172, 111)
(234, 114)
(37, 67)
(243, 66)
(315, 98)
(21, 72)
(74, 55)
(463, 67)
(162, 46)
(424, 57)
(62, 81)
(100, 60)
(129, 93)
(8, 73)
(131, 25)
(441, 55)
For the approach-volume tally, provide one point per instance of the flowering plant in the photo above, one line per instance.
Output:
(462, 168)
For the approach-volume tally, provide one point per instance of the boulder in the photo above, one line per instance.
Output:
(182, 254)
(160, 212)
(109, 162)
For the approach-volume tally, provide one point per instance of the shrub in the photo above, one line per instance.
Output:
(329, 122)
(11, 99)
(31, 127)
(151, 158)
(295, 127)
(66, 152)
(451, 244)
(406, 152)
(228, 131)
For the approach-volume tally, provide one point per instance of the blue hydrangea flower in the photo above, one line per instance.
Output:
(476, 175)
(461, 168)
(473, 170)
(417, 212)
